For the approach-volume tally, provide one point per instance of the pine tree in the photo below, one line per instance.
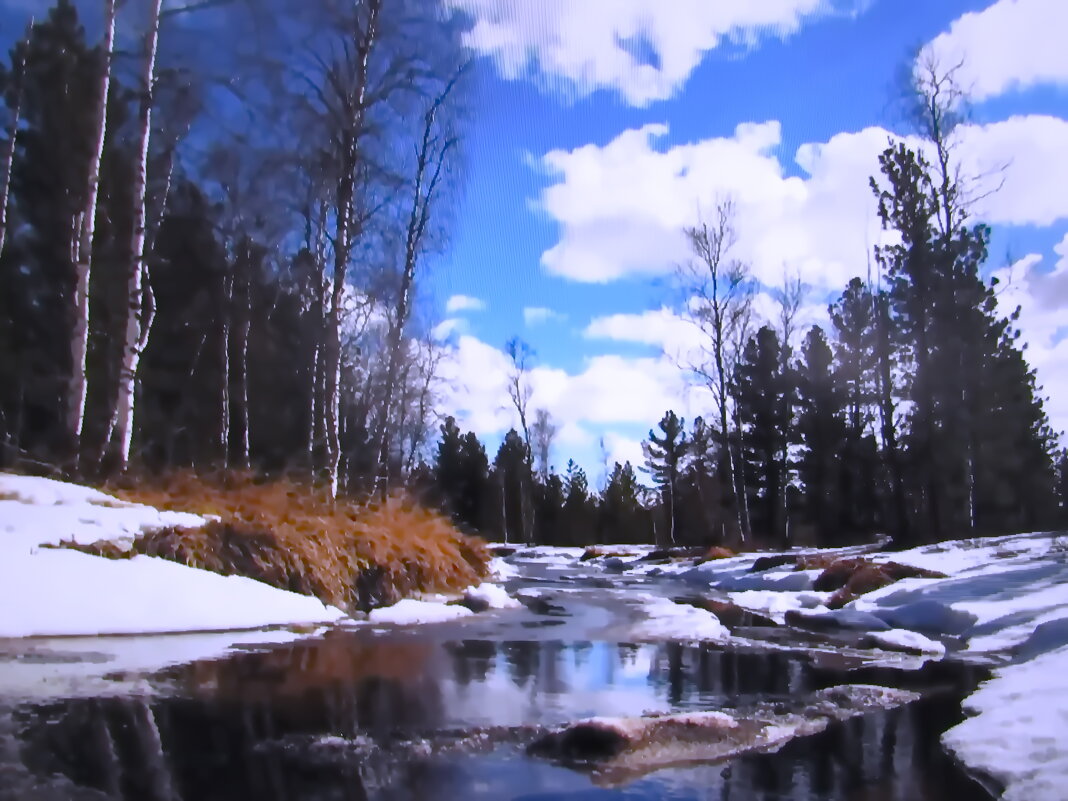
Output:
(579, 511)
(621, 515)
(763, 392)
(664, 455)
(821, 431)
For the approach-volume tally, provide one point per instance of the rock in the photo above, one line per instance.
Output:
(614, 565)
(857, 576)
(503, 550)
(768, 562)
(928, 616)
(474, 604)
(717, 552)
(839, 619)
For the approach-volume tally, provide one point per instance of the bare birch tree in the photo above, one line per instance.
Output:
(543, 432)
(520, 391)
(719, 295)
(140, 304)
(18, 76)
(434, 148)
(83, 257)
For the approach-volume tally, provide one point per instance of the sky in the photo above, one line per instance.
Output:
(605, 127)
(600, 129)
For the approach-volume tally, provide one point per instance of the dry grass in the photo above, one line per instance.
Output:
(293, 536)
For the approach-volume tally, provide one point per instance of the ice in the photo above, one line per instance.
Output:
(775, 604)
(668, 620)
(907, 641)
(492, 594)
(1017, 734)
(40, 669)
(410, 611)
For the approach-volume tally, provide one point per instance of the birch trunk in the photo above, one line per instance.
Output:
(343, 245)
(18, 73)
(138, 313)
(432, 154)
(79, 342)
(239, 437)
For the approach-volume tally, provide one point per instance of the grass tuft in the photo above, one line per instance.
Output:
(295, 537)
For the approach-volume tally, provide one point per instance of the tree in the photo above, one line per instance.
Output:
(520, 391)
(512, 476)
(140, 303)
(83, 246)
(763, 391)
(15, 92)
(622, 518)
(542, 433)
(435, 148)
(821, 432)
(578, 512)
(719, 293)
(856, 358)
(664, 455)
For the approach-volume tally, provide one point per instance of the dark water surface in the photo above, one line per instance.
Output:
(444, 712)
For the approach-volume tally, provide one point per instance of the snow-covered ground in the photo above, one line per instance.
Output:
(58, 592)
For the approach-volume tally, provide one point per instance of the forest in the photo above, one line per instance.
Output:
(214, 258)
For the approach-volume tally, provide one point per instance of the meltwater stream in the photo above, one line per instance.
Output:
(445, 711)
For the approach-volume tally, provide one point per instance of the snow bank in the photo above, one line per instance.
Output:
(411, 611)
(668, 620)
(1017, 735)
(493, 595)
(55, 592)
(501, 569)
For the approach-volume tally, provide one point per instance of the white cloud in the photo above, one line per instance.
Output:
(1012, 44)
(448, 327)
(1042, 296)
(464, 303)
(609, 390)
(536, 315)
(642, 49)
(621, 208)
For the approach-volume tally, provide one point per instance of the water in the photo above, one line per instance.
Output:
(444, 712)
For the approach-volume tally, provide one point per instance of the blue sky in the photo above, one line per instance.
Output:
(602, 127)
(590, 241)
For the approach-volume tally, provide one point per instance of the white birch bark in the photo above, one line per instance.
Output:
(138, 312)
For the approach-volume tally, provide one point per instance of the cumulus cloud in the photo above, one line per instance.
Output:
(608, 390)
(450, 326)
(464, 303)
(1012, 44)
(536, 315)
(1041, 293)
(644, 50)
(621, 207)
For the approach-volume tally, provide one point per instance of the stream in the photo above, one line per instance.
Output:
(445, 711)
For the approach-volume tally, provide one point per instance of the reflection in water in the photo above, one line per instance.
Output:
(252, 727)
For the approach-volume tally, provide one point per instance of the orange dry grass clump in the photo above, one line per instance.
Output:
(294, 536)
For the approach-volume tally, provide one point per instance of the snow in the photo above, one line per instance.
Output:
(410, 611)
(492, 594)
(56, 592)
(908, 641)
(775, 604)
(668, 620)
(1017, 736)
(501, 569)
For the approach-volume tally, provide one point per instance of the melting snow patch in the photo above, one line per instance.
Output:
(1017, 735)
(411, 611)
(493, 596)
(502, 570)
(909, 642)
(669, 620)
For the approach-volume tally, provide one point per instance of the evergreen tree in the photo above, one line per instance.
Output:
(511, 477)
(621, 516)
(579, 508)
(763, 392)
(664, 455)
(822, 434)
